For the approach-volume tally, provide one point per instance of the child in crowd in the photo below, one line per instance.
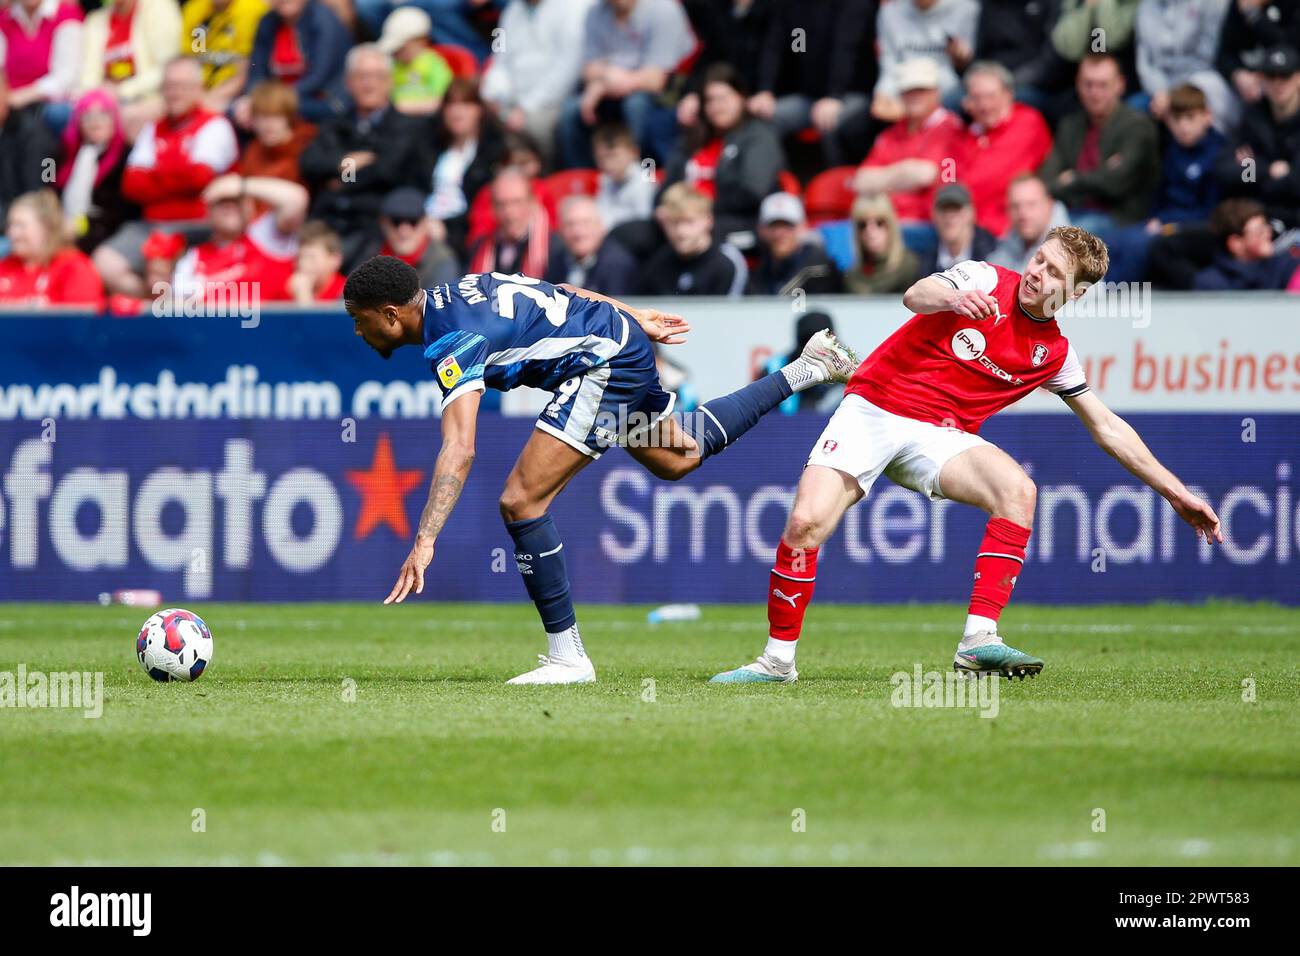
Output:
(316, 276)
(420, 74)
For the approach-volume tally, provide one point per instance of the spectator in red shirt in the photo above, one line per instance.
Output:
(316, 276)
(523, 153)
(42, 267)
(523, 241)
(1004, 139)
(172, 162)
(255, 253)
(907, 159)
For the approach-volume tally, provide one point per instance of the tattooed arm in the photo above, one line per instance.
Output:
(455, 459)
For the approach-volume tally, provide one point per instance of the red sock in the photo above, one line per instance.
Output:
(790, 588)
(998, 564)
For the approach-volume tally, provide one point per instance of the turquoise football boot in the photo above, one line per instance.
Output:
(994, 657)
(765, 670)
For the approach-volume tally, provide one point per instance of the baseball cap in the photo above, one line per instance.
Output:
(404, 202)
(954, 194)
(1280, 61)
(916, 74)
(781, 207)
(403, 24)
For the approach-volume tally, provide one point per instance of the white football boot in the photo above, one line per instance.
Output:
(826, 359)
(551, 670)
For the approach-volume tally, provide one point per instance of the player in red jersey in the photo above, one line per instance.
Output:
(982, 338)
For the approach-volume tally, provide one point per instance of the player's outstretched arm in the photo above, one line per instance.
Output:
(663, 327)
(455, 458)
(932, 294)
(1119, 440)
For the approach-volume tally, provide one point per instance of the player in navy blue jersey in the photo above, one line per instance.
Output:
(595, 355)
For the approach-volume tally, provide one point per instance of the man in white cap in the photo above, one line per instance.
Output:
(420, 74)
(788, 259)
(907, 159)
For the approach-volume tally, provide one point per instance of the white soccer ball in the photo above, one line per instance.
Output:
(174, 644)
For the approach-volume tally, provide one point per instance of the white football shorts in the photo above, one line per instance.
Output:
(865, 441)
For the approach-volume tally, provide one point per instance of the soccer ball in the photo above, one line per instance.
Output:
(174, 644)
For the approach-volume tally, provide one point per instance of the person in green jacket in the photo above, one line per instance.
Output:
(1093, 26)
(1105, 161)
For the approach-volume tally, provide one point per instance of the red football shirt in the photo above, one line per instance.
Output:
(119, 56)
(702, 168)
(69, 279)
(988, 159)
(953, 371)
(287, 62)
(262, 258)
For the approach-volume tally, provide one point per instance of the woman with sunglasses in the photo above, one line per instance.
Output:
(881, 263)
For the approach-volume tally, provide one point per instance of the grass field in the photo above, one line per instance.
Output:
(1139, 714)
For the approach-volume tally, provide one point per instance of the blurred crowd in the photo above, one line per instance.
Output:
(639, 147)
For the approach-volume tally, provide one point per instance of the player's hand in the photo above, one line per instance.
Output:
(1200, 516)
(411, 577)
(974, 304)
(662, 327)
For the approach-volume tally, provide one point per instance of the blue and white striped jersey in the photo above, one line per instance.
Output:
(502, 331)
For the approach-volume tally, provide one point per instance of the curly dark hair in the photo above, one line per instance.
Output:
(381, 281)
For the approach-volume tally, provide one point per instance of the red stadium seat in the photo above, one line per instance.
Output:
(572, 182)
(830, 195)
(789, 182)
(461, 60)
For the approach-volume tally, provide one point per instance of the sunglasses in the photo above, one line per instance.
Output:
(406, 222)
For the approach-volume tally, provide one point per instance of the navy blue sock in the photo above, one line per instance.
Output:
(539, 553)
(719, 422)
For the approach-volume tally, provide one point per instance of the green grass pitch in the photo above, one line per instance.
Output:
(1138, 721)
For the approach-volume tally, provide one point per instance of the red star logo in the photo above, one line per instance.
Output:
(382, 489)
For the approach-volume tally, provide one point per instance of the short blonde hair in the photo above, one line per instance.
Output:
(44, 205)
(683, 199)
(1091, 260)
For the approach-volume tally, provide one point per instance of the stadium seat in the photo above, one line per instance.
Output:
(789, 183)
(830, 195)
(838, 239)
(461, 60)
(572, 182)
